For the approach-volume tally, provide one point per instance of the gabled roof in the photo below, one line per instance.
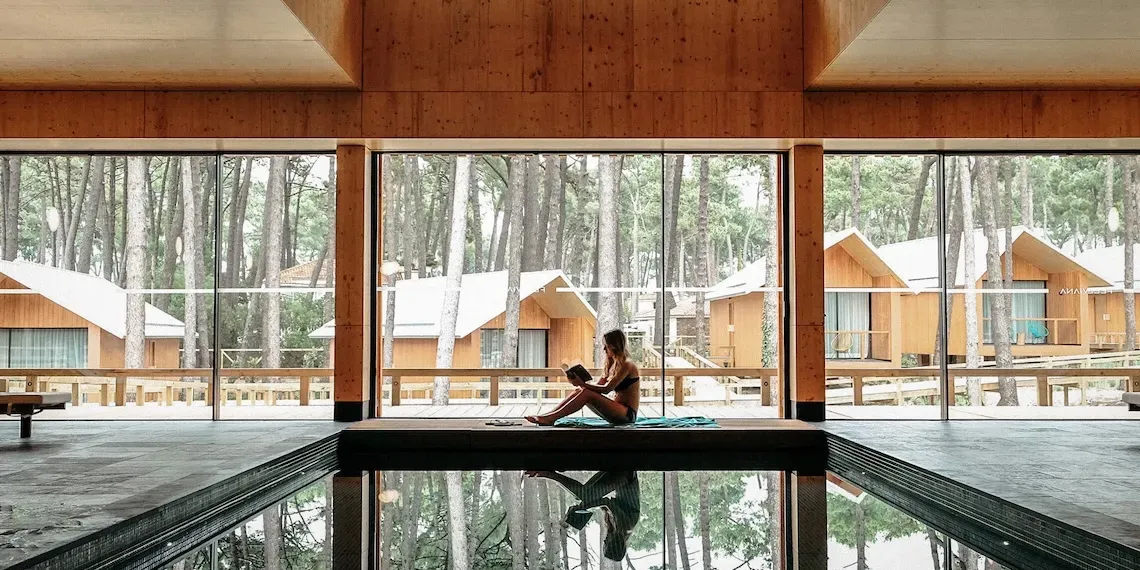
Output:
(482, 297)
(1108, 262)
(918, 259)
(92, 298)
(754, 275)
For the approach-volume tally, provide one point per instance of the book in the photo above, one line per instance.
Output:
(577, 370)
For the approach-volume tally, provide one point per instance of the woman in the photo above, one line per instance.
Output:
(617, 493)
(619, 375)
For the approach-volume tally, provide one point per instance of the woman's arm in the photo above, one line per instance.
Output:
(607, 384)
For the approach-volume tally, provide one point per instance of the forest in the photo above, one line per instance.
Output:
(149, 223)
(504, 520)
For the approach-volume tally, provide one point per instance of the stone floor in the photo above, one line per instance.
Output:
(1084, 474)
(74, 478)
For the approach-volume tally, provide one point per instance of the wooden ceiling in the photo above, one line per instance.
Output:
(987, 44)
(163, 44)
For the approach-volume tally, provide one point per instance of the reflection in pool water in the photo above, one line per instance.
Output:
(545, 520)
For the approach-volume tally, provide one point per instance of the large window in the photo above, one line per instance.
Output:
(110, 262)
(527, 260)
(1014, 277)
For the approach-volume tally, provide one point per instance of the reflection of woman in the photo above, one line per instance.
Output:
(619, 496)
(619, 375)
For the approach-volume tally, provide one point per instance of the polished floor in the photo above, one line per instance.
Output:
(1081, 473)
(74, 478)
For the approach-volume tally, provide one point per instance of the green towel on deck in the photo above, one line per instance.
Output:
(696, 421)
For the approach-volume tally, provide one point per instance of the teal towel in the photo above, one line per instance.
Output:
(689, 422)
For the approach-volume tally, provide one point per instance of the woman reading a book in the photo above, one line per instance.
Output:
(619, 375)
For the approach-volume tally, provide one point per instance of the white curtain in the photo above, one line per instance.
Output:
(1025, 306)
(532, 348)
(4, 335)
(45, 348)
(846, 311)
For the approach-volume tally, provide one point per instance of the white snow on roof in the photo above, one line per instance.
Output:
(93, 298)
(917, 260)
(1108, 262)
(482, 297)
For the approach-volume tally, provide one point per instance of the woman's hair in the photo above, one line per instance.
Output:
(615, 339)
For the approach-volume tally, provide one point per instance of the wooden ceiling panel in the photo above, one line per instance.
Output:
(982, 44)
(161, 44)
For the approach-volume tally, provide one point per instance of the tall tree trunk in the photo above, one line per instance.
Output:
(1027, 191)
(457, 528)
(107, 230)
(11, 206)
(235, 252)
(476, 221)
(1130, 226)
(445, 352)
(271, 237)
(671, 531)
(514, 245)
(271, 523)
(391, 193)
(170, 218)
(770, 326)
(856, 192)
(672, 215)
(449, 212)
(678, 519)
(534, 524)
(704, 245)
(412, 185)
(970, 281)
(1000, 311)
(513, 501)
(932, 538)
(704, 519)
(860, 537)
(552, 537)
(190, 255)
(93, 206)
(75, 214)
(508, 200)
(609, 307)
(583, 551)
(135, 264)
(414, 482)
(1107, 199)
(915, 218)
(550, 179)
(531, 246)
(553, 226)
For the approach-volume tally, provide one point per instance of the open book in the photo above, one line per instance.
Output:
(575, 369)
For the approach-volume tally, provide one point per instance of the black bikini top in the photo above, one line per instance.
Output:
(625, 384)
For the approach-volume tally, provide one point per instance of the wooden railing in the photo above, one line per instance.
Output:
(1058, 330)
(175, 384)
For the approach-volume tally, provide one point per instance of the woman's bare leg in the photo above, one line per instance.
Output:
(601, 405)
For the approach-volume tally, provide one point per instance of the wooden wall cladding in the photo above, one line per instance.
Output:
(71, 114)
(961, 114)
(473, 115)
(337, 27)
(1081, 114)
(573, 45)
(252, 114)
(693, 114)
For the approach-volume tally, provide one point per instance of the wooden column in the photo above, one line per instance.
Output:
(353, 296)
(808, 526)
(807, 367)
(353, 503)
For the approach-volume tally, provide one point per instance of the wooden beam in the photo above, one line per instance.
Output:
(829, 27)
(806, 372)
(351, 367)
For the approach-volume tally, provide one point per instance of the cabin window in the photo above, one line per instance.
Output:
(43, 348)
(1029, 324)
(847, 322)
(532, 348)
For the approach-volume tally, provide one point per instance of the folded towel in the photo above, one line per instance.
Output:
(696, 421)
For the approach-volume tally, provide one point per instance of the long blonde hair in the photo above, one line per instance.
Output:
(615, 339)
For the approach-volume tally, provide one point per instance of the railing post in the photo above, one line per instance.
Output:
(395, 390)
(857, 390)
(120, 391)
(169, 395)
(31, 384)
(678, 390)
(105, 394)
(494, 391)
(140, 394)
(1044, 394)
(766, 391)
(76, 394)
(305, 387)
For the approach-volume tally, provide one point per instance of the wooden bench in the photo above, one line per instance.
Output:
(28, 404)
(1132, 399)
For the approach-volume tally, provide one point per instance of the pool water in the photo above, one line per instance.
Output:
(629, 520)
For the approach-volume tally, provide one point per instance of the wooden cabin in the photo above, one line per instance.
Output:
(1106, 305)
(554, 325)
(862, 308)
(1051, 315)
(54, 318)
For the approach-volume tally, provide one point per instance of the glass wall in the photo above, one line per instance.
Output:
(525, 261)
(1014, 285)
(109, 271)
